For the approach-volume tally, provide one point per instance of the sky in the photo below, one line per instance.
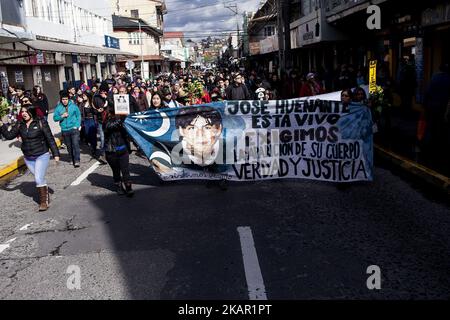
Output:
(200, 18)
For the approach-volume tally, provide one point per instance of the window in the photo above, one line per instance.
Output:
(308, 6)
(269, 31)
(134, 13)
(133, 38)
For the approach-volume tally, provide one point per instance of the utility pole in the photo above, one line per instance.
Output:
(142, 55)
(284, 35)
(234, 8)
(280, 24)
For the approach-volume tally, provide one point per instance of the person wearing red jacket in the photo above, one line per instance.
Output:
(311, 87)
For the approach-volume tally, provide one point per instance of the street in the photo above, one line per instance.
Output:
(184, 240)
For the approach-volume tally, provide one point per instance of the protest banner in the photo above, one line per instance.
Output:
(122, 104)
(373, 76)
(308, 138)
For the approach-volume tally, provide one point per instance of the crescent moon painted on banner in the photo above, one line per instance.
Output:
(165, 126)
(162, 155)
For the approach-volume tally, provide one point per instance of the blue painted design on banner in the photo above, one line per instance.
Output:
(357, 125)
(194, 142)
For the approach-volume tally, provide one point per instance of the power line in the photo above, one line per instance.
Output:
(168, 12)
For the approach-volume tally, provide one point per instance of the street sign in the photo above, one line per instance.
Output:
(111, 42)
(130, 65)
(373, 76)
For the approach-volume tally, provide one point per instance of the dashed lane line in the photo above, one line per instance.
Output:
(255, 282)
(25, 227)
(6, 245)
(85, 174)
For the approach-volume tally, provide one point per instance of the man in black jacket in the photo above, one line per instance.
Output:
(237, 90)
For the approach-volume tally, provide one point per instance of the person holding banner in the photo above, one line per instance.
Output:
(117, 149)
(346, 96)
(360, 95)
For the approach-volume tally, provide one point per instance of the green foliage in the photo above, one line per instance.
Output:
(4, 107)
(378, 100)
(195, 89)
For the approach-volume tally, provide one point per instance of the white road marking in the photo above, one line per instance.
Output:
(85, 174)
(255, 282)
(6, 245)
(25, 227)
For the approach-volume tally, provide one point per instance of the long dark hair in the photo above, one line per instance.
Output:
(35, 93)
(357, 90)
(88, 94)
(157, 93)
(31, 110)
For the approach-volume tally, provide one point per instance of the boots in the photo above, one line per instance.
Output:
(129, 191)
(44, 198)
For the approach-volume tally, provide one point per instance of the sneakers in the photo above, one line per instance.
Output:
(76, 165)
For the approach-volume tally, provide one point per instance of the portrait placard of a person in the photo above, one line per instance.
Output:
(201, 131)
(201, 147)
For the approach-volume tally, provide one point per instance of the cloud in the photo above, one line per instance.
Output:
(200, 18)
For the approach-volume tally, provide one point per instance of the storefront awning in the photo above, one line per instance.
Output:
(52, 46)
(7, 36)
(150, 57)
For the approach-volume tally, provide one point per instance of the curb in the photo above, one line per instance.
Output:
(19, 162)
(432, 177)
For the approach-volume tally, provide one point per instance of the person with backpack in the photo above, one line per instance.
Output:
(117, 151)
(37, 139)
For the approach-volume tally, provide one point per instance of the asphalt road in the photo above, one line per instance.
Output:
(183, 240)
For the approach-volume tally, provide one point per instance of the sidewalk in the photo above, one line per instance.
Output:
(11, 157)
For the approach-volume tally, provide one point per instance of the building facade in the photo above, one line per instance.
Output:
(139, 24)
(263, 41)
(173, 47)
(72, 43)
(12, 30)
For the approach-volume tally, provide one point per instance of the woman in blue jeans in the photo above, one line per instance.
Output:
(37, 139)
